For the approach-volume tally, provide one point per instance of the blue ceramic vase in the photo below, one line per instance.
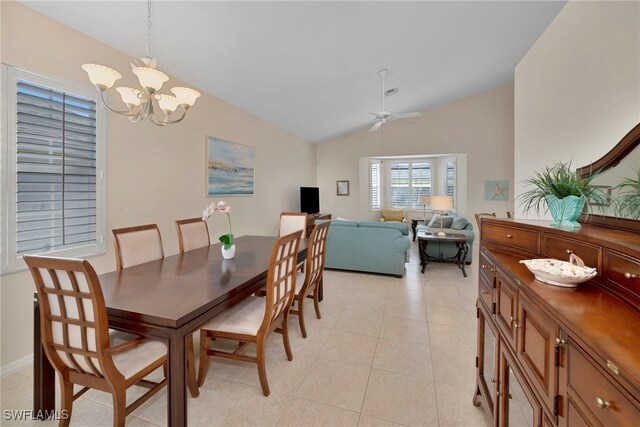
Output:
(565, 211)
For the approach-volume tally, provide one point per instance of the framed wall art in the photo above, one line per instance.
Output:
(342, 188)
(496, 190)
(230, 168)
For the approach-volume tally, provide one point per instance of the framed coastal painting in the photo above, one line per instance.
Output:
(229, 168)
(496, 190)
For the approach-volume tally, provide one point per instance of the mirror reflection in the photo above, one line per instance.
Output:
(490, 361)
(521, 413)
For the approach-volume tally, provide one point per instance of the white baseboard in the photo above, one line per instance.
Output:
(16, 365)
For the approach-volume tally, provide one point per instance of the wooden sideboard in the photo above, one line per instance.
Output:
(552, 356)
(311, 218)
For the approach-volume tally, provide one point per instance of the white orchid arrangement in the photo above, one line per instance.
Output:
(220, 207)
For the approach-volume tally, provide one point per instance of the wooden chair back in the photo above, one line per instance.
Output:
(510, 214)
(193, 233)
(137, 245)
(73, 317)
(292, 221)
(483, 214)
(281, 278)
(314, 264)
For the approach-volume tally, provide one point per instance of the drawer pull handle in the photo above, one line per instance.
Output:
(602, 404)
(493, 380)
(630, 275)
(511, 318)
(485, 266)
(484, 292)
(515, 325)
(612, 367)
(569, 251)
(509, 236)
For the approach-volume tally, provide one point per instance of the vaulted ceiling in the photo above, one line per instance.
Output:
(312, 67)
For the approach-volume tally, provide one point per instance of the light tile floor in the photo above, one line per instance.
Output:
(386, 352)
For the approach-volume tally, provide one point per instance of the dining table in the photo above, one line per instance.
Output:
(170, 299)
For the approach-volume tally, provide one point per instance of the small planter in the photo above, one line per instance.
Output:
(228, 253)
(565, 211)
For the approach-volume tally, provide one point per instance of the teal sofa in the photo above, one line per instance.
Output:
(444, 249)
(375, 247)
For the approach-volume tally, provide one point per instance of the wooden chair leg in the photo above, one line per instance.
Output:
(191, 368)
(205, 343)
(285, 337)
(262, 369)
(300, 302)
(66, 401)
(316, 303)
(119, 396)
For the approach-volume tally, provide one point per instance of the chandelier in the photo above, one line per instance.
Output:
(146, 102)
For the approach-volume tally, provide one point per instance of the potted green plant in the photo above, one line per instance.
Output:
(563, 192)
(628, 199)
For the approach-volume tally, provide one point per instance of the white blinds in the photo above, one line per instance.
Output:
(375, 185)
(56, 169)
(409, 181)
(449, 179)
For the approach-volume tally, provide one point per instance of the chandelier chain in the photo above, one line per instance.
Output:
(149, 28)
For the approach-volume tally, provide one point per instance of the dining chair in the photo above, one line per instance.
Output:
(510, 214)
(193, 233)
(307, 283)
(293, 221)
(140, 244)
(79, 344)
(253, 319)
(479, 217)
(137, 245)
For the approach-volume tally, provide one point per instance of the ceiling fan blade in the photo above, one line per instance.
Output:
(407, 115)
(375, 126)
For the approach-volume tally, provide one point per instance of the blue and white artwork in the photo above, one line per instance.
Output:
(229, 168)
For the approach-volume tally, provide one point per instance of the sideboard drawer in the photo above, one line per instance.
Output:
(597, 393)
(487, 269)
(485, 293)
(623, 271)
(560, 248)
(524, 239)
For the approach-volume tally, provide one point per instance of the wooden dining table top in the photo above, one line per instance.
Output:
(177, 289)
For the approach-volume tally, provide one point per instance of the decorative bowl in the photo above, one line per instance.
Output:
(559, 273)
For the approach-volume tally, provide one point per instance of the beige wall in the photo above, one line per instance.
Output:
(480, 126)
(154, 175)
(577, 90)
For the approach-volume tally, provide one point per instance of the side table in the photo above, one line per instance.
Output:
(414, 224)
(460, 240)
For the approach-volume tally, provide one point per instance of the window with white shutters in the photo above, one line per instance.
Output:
(408, 181)
(449, 179)
(375, 185)
(55, 149)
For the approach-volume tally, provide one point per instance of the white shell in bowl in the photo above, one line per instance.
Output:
(559, 273)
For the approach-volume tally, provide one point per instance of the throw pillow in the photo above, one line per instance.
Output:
(459, 223)
(435, 221)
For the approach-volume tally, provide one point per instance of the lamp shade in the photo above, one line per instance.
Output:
(424, 200)
(168, 103)
(185, 95)
(150, 78)
(129, 95)
(441, 203)
(102, 77)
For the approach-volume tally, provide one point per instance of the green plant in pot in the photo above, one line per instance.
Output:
(563, 192)
(628, 200)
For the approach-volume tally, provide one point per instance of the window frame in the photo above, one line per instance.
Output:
(410, 169)
(10, 261)
(380, 185)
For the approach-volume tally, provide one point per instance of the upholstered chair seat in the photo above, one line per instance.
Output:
(243, 318)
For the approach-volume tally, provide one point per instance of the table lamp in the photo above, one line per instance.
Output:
(441, 204)
(424, 201)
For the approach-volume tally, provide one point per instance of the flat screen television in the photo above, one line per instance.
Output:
(310, 200)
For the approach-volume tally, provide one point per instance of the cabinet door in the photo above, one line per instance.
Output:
(506, 299)
(487, 378)
(517, 405)
(537, 351)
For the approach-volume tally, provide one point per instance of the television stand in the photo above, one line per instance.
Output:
(311, 218)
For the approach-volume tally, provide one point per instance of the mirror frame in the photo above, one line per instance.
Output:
(626, 145)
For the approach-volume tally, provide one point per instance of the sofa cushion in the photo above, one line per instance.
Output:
(337, 223)
(402, 228)
(435, 221)
(459, 223)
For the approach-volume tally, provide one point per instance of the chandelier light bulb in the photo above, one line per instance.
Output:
(129, 95)
(150, 78)
(168, 103)
(185, 95)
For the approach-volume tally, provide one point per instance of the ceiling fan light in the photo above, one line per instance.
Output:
(150, 78)
(168, 103)
(129, 95)
(185, 95)
(102, 77)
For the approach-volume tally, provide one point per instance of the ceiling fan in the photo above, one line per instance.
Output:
(384, 116)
